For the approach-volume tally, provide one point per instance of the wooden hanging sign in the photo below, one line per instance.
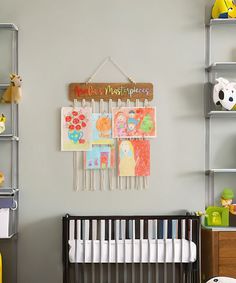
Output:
(112, 91)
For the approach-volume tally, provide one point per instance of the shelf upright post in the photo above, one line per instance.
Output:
(207, 159)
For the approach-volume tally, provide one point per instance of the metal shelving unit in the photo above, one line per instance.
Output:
(212, 69)
(8, 245)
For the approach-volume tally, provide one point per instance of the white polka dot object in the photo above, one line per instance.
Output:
(222, 280)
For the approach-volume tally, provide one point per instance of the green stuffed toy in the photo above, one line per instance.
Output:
(224, 9)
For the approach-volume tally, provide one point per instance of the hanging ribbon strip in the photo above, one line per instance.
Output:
(76, 162)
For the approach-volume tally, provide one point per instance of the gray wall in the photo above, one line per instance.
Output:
(62, 42)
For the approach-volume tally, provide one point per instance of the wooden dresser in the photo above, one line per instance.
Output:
(218, 254)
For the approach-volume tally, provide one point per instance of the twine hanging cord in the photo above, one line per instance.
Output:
(106, 60)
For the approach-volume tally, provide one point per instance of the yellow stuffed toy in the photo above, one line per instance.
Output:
(224, 9)
(2, 123)
(13, 93)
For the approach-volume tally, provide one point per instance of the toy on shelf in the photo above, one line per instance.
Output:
(224, 94)
(222, 280)
(227, 197)
(13, 93)
(217, 216)
(2, 179)
(223, 9)
(2, 123)
(225, 215)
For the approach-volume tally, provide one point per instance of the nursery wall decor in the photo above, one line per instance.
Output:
(136, 122)
(134, 158)
(102, 128)
(112, 111)
(76, 131)
(100, 157)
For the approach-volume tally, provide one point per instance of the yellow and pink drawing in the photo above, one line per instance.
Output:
(76, 129)
(134, 158)
(134, 122)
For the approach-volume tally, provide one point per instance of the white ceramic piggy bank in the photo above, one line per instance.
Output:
(222, 280)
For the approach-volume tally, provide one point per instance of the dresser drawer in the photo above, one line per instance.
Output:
(227, 245)
(227, 267)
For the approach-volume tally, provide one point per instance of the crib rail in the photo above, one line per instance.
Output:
(131, 249)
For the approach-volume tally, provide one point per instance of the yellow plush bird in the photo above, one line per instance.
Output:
(2, 123)
(2, 178)
(224, 9)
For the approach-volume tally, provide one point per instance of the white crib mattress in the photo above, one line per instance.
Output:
(161, 250)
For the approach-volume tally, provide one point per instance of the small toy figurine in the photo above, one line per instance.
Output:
(2, 123)
(224, 9)
(227, 197)
(2, 178)
(13, 93)
(222, 280)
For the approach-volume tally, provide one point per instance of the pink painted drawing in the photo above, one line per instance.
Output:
(134, 122)
(134, 158)
(76, 129)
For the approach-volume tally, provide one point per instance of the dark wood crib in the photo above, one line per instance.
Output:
(131, 249)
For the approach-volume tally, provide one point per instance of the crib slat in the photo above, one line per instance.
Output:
(165, 235)
(109, 251)
(123, 233)
(85, 231)
(182, 275)
(72, 230)
(190, 237)
(78, 229)
(117, 234)
(102, 238)
(141, 232)
(94, 237)
(150, 233)
(156, 239)
(75, 237)
(133, 250)
(174, 236)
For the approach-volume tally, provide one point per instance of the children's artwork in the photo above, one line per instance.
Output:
(76, 128)
(102, 127)
(134, 158)
(134, 122)
(100, 157)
